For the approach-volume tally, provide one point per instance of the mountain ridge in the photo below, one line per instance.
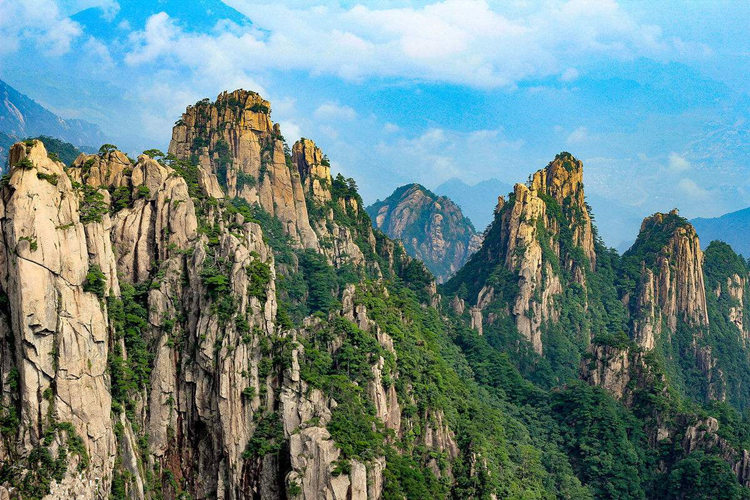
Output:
(730, 228)
(21, 117)
(224, 321)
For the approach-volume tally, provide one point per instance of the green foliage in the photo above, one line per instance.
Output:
(155, 154)
(245, 179)
(259, 275)
(701, 477)
(215, 281)
(92, 206)
(142, 191)
(267, 437)
(130, 369)
(188, 170)
(107, 149)
(602, 440)
(25, 163)
(321, 281)
(119, 198)
(51, 178)
(260, 108)
(96, 282)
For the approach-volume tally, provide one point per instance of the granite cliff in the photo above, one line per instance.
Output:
(223, 321)
(431, 228)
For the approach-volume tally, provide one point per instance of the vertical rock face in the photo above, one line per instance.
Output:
(242, 153)
(314, 169)
(562, 180)
(56, 332)
(143, 347)
(543, 235)
(432, 228)
(671, 287)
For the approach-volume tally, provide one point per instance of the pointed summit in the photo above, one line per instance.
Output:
(543, 235)
(432, 228)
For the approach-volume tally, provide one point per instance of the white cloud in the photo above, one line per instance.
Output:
(579, 135)
(438, 154)
(678, 163)
(569, 75)
(469, 42)
(691, 189)
(39, 21)
(290, 130)
(333, 111)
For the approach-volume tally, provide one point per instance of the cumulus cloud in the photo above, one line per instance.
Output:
(470, 42)
(438, 154)
(678, 163)
(333, 111)
(691, 189)
(40, 21)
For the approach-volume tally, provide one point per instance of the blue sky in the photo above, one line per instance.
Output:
(652, 96)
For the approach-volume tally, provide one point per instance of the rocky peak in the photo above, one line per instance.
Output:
(668, 262)
(542, 234)
(241, 153)
(432, 228)
(314, 169)
(562, 180)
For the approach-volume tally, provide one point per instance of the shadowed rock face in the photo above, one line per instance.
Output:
(432, 228)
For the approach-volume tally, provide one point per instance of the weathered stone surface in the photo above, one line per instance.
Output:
(673, 289)
(60, 330)
(238, 146)
(432, 228)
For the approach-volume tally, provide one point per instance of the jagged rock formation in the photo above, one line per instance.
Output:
(170, 328)
(671, 287)
(241, 152)
(670, 297)
(544, 236)
(142, 339)
(432, 228)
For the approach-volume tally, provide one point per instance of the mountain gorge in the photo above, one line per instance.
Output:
(224, 321)
(432, 228)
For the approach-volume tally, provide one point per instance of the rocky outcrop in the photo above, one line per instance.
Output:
(671, 287)
(432, 228)
(314, 169)
(57, 341)
(542, 235)
(242, 153)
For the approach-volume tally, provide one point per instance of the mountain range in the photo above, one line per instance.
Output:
(732, 228)
(223, 321)
(21, 117)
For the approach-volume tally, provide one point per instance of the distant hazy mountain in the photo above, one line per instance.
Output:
(432, 228)
(21, 117)
(732, 228)
(477, 202)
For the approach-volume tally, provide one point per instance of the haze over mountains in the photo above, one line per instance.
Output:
(432, 228)
(22, 117)
(732, 228)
